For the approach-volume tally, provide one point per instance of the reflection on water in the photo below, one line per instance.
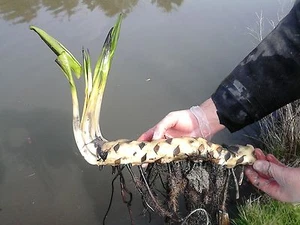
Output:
(19, 11)
(67, 7)
(111, 8)
(167, 6)
(24, 11)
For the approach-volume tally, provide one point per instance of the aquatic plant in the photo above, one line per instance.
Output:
(123, 153)
(86, 129)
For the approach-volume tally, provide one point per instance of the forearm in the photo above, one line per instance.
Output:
(267, 79)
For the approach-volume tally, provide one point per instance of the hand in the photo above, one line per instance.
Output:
(201, 121)
(274, 178)
(175, 124)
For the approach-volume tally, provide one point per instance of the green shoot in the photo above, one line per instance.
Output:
(86, 129)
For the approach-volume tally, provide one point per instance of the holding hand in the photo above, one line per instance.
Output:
(198, 121)
(175, 124)
(274, 178)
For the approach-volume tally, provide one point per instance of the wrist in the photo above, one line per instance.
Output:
(207, 117)
(204, 129)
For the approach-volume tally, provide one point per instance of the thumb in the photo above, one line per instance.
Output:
(267, 168)
(168, 122)
(159, 132)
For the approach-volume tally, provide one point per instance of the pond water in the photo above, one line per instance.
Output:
(172, 54)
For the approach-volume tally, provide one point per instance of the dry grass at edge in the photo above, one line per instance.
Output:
(280, 133)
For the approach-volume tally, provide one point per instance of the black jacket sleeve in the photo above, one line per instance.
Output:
(267, 79)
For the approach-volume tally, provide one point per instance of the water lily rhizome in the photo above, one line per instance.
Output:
(170, 160)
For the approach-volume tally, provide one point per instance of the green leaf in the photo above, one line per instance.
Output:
(63, 61)
(58, 49)
(108, 49)
(116, 33)
(87, 77)
(93, 107)
(87, 71)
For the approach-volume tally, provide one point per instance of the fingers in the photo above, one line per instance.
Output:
(271, 158)
(267, 185)
(265, 167)
(278, 181)
(277, 172)
(160, 129)
(259, 154)
(255, 178)
(147, 136)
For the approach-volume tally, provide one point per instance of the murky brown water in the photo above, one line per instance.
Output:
(172, 54)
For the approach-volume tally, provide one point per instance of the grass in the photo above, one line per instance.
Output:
(266, 211)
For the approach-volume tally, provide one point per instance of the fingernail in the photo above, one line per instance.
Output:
(157, 135)
(259, 165)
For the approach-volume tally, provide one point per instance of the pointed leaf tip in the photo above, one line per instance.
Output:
(58, 49)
